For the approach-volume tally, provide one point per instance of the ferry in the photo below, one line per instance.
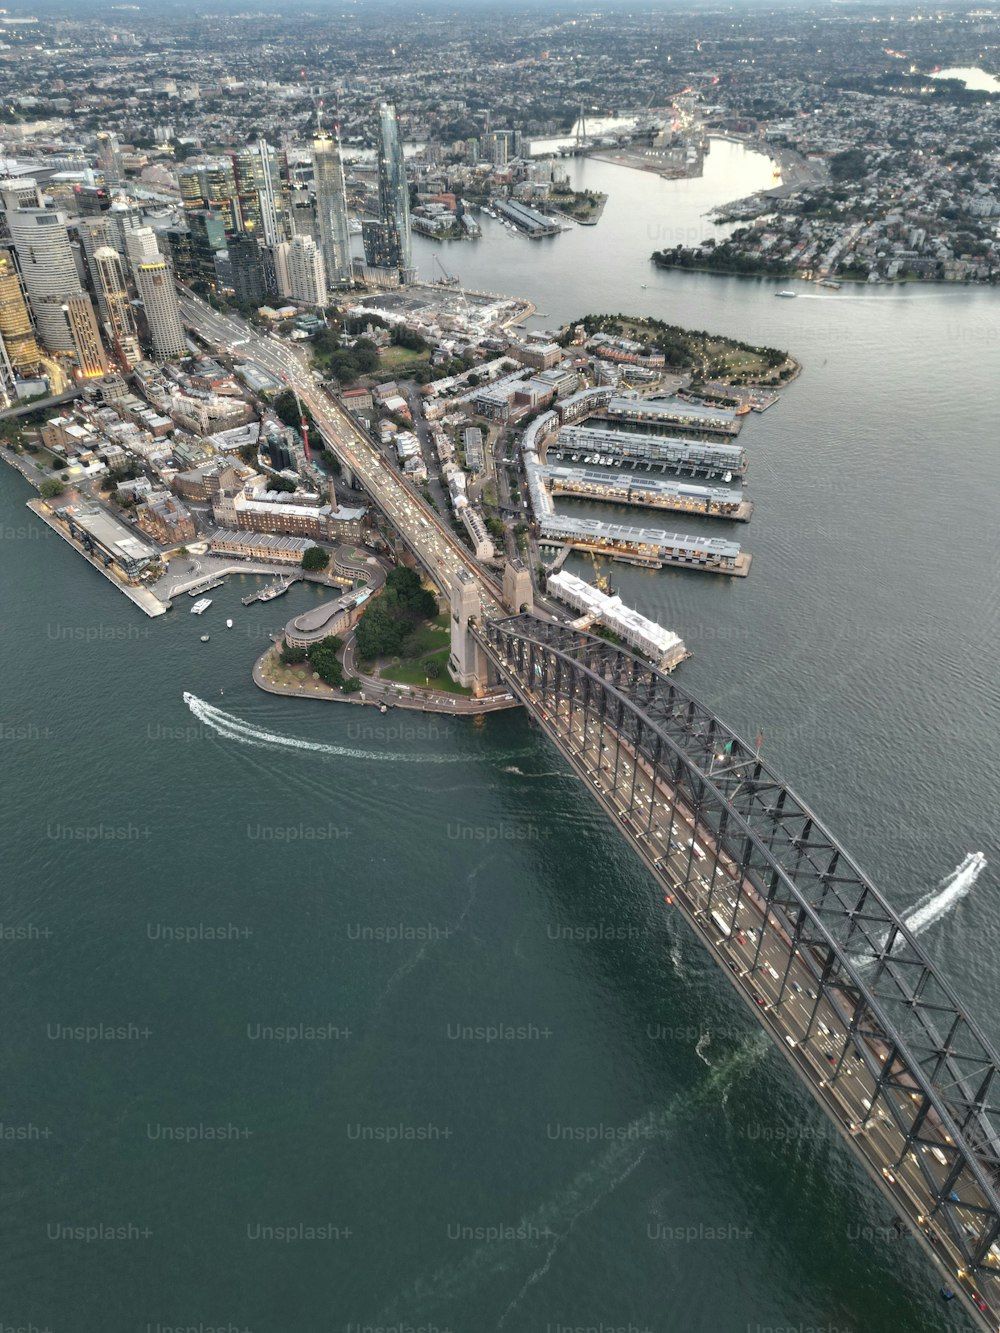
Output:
(829, 282)
(787, 294)
(201, 605)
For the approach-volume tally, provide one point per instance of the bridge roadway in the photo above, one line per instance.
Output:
(855, 1068)
(434, 545)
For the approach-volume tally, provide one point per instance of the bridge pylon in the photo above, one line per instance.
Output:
(518, 594)
(467, 662)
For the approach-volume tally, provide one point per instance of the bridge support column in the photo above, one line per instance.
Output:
(518, 594)
(467, 662)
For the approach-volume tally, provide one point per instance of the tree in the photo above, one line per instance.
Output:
(314, 558)
(290, 655)
(50, 488)
(323, 660)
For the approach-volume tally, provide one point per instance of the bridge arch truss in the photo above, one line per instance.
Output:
(930, 1074)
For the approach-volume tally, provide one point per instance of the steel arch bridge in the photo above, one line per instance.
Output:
(827, 965)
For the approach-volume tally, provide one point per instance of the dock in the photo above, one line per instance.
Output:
(147, 602)
(268, 594)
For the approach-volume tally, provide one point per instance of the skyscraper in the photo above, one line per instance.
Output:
(259, 199)
(249, 286)
(16, 332)
(87, 346)
(109, 158)
(155, 281)
(45, 258)
(394, 192)
(331, 209)
(142, 247)
(109, 279)
(299, 270)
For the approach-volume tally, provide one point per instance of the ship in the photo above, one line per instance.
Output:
(829, 282)
(787, 294)
(201, 605)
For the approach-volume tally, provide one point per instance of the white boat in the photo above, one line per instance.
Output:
(201, 605)
(204, 638)
(229, 624)
(788, 295)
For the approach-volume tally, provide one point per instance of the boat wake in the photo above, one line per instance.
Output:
(539, 1234)
(952, 889)
(938, 903)
(235, 729)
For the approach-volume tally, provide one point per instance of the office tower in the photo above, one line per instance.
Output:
(124, 215)
(141, 247)
(193, 247)
(249, 286)
(258, 189)
(109, 158)
(379, 248)
(394, 193)
(119, 321)
(302, 213)
(48, 271)
(87, 346)
(331, 209)
(155, 281)
(94, 234)
(16, 332)
(300, 272)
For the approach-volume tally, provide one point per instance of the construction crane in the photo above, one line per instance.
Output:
(447, 279)
(601, 581)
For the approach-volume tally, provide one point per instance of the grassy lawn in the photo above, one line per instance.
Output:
(391, 358)
(414, 673)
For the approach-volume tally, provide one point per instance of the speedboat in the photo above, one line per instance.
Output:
(205, 638)
(229, 624)
(788, 295)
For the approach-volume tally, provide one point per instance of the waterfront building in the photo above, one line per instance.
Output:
(45, 258)
(300, 271)
(119, 320)
(663, 648)
(155, 281)
(86, 335)
(331, 209)
(393, 194)
(16, 331)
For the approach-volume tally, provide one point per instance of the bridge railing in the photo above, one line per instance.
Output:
(932, 1069)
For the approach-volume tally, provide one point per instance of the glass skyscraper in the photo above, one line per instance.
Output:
(394, 193)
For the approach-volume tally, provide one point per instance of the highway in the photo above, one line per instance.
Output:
(780, 983)
(435, 546)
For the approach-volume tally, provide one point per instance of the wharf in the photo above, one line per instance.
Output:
(272, 590)
(204, 585)
(146, 601)
(654, 559)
